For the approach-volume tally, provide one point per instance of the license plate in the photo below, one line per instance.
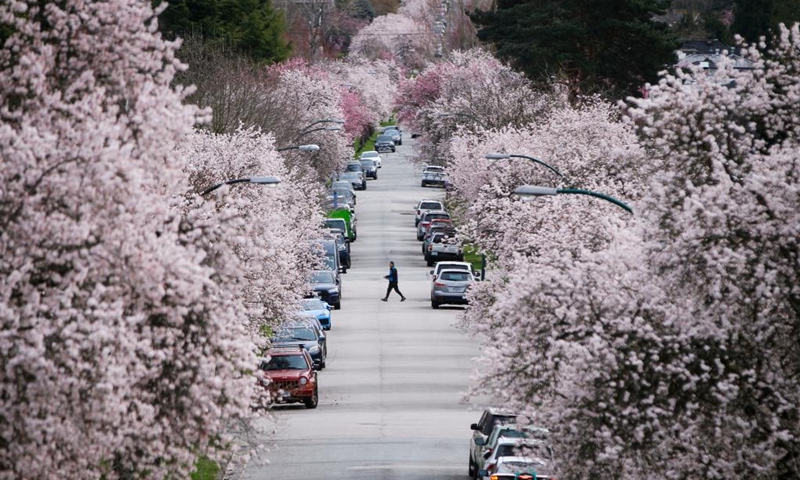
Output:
(434, 253)
(286, 394)
(457, 289)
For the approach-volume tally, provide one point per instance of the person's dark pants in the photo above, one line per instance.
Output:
(393, 286)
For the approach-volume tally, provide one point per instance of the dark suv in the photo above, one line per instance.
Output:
(290, 377)
(384, 143)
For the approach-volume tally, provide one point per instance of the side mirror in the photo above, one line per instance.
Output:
(341, 270)
(480, 442)
(327, 305)
(474, 426)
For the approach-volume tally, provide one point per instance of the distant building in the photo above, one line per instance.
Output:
(708, 53)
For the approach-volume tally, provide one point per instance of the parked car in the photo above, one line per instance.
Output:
(354, 166)
(356, 179)
(434, 178)
(450, 288)
(372, 155)
(425, 205)
(290, 377)
(350, 224)
(395, 132)
(301, 320)
(319, 310)
(370, 168)
(343, 244)
(535, 452)
(296, 335)
(436, 223)
(441, 266)
(447, 229)
(491, 416)
(425, 220)
(444, 247)
(508, 430)
(328, 249)
(384, 143)
(520, 468)
(329, 288)
(343, 185)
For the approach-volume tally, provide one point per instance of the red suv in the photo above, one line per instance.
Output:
(291, 377)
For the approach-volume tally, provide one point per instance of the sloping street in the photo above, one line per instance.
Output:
(390, 398)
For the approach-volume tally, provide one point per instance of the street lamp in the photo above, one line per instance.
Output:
(537, 191)
(501, 156)
(303, 148)
(271, 181)
(463, 114)
(324, 120)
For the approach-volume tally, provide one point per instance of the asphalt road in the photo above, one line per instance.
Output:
(391, 396)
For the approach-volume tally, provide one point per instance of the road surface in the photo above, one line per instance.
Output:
(391, 402)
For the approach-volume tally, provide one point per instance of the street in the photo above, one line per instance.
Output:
(391, 396)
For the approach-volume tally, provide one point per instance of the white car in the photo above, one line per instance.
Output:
(536, 454)
(522, 468)
(371, 155)
(453, 266)
(425, 205)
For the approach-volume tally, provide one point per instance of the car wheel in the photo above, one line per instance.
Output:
(434, 304)
(338, 306)
(472, 471)
(322, 365)
(313, 401)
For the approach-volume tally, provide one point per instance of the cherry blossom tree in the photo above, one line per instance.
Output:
(121, 354)
(472, 89)
(271, 230)
(669, 348)
(395, 36)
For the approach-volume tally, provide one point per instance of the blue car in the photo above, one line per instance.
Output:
(316, 308)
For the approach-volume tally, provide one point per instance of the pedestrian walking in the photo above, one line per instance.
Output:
(392, 277)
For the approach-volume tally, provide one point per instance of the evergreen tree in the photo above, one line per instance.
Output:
(611, 47)
(250, 27)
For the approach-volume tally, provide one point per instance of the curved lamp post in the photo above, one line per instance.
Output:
(303, 148)
(537, 191)
(331, 128)
(259, 180)
(501, 156)
(466, 115)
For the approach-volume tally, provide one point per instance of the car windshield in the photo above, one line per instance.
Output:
(285, 362)
(384, 138)
(370, 154)
(342, 193)
(456, 276)
(537, 449)
(322, 277)
(430, 206)
(434, 169)
(432, 216)
(368, 163)
(341, 184)
(442, 266)
(349, 176)
(312, 304)
(336, 223)
(519, 466)
(296, 333)
(354, 167)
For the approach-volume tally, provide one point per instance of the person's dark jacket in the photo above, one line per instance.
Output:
(392, 277)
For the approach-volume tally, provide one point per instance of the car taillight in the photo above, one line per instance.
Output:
(490, 466)
(439, 284)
